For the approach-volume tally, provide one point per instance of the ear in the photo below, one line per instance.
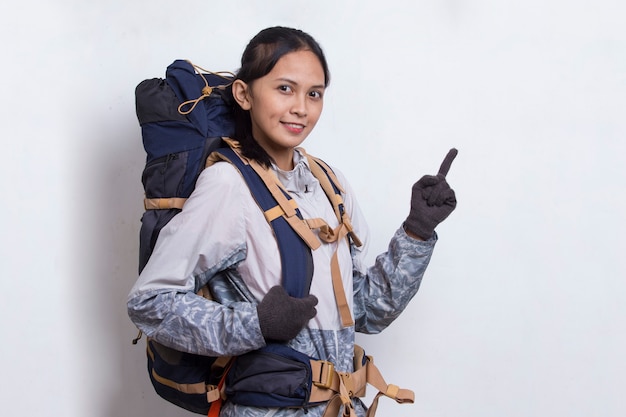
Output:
(241, 94)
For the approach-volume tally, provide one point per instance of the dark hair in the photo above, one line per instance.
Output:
(258, 59)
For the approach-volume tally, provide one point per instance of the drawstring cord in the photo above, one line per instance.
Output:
(207, 89)
(135, 340)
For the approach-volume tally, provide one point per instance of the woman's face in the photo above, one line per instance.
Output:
(286, 104)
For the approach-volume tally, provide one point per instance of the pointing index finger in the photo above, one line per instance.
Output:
(445, 165)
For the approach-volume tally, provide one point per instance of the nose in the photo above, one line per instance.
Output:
(298, 106)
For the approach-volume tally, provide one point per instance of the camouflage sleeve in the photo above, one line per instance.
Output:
(190, 323)
(163, 302)
(385, 289)
(187, 322)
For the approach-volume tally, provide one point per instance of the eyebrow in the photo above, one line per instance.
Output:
(289, 80)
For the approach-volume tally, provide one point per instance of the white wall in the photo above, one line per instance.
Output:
(522, 311)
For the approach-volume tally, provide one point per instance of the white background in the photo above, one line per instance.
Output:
(522, 310)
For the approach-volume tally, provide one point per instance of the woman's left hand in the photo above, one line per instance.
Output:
(432, 201)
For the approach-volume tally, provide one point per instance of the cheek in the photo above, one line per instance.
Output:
(270, 109)
(317, 112)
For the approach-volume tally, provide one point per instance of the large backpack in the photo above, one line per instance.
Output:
(182, 119)
(186, 120)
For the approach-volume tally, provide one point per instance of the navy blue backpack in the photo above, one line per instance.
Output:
(177, 144)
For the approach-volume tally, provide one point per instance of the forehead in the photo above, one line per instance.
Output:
(301, 67)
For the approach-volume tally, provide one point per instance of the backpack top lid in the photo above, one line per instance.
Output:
(164, 129)
(212, 116)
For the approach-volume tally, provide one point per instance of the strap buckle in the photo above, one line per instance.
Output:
(326, 375)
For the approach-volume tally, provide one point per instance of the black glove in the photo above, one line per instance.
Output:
(281, 316)
(432, 201)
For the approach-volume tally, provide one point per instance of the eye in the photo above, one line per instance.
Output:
(317, 95)
(285, 88)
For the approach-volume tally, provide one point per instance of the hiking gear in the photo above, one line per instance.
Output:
(177, 144)
(281, 316)
(432, 201)
(447, 162)
(189, 381)
(279, 376)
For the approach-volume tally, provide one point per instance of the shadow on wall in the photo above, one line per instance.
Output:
(107, 239)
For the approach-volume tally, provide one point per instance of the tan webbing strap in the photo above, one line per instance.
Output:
(340, 294)
(205, 292)
(339, 400)
(330, 172)
(288, 207)
(318, 173)
(163, 203)
(220, 366)
(335, 199)
(346, 222)
(272, 183)
(274, 186)
(375, 378)
(269, 179)
(330, 235)
(400, 395)
(277, 211)
(338, 388)
(197, 388)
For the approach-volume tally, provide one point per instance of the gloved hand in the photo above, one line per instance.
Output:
(281, 316)
(432, 200)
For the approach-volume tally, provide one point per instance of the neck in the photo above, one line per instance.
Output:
(282, 158)
(285, 162)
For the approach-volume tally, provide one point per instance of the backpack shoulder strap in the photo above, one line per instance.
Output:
(282, 214)
(333, 189)
(293, 236)
(331, 186)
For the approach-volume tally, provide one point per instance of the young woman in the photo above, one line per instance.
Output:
(280, 91)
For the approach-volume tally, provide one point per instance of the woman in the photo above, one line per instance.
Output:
(280, 92)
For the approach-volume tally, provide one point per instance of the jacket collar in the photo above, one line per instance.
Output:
(300, 179)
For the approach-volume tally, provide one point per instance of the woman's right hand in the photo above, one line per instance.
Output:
(281, 317)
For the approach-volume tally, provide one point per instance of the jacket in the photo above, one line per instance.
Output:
(220, 226)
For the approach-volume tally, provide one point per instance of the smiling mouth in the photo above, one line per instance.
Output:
(294, 127)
